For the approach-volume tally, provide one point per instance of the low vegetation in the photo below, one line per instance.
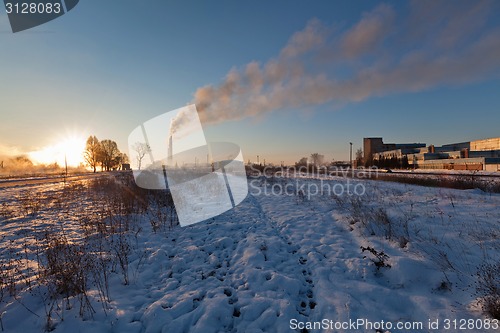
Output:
(488, 288)
(393, 215)
(455, 181)
(70, 260)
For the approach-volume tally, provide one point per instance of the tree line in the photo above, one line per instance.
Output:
(103, 153)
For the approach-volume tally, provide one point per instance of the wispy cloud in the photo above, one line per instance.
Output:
(433, 44)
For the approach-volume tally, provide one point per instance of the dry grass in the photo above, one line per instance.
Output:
(488, 288)
(89, 238)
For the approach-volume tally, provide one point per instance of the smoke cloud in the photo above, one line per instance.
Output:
(183, 123)
(433, 43)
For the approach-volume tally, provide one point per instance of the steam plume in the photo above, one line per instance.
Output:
(181, 124)
(435, 43)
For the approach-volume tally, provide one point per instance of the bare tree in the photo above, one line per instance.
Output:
(317, 159)
(110, 156)
(141, 149)
(301, 162)
(119, 159)
(359, 157)
(125, 158)
(92, 152)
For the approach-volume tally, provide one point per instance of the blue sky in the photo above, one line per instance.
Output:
(410, 72)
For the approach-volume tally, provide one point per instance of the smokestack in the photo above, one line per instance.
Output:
(170, 149)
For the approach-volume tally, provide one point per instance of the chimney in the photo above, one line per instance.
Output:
(465, 153)
(432, 149)
(170, 149)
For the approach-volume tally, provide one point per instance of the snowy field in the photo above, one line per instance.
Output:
(296, 255)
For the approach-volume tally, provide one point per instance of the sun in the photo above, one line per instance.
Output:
(73, 148)
(66, 150)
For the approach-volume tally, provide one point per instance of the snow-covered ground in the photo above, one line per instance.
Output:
(291, 254)
(448, 172)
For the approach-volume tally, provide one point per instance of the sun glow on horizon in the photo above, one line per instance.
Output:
(68, 150)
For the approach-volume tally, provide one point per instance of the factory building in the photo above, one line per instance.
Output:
(473, 155)
(371, 146)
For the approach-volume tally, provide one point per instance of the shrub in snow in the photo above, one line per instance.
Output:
(488, 288)
(380, 258)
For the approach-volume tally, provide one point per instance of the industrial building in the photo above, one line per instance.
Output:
(473, 155)
(373, 146)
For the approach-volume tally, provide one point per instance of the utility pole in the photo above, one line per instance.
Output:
(66, 167)
(350, 153)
